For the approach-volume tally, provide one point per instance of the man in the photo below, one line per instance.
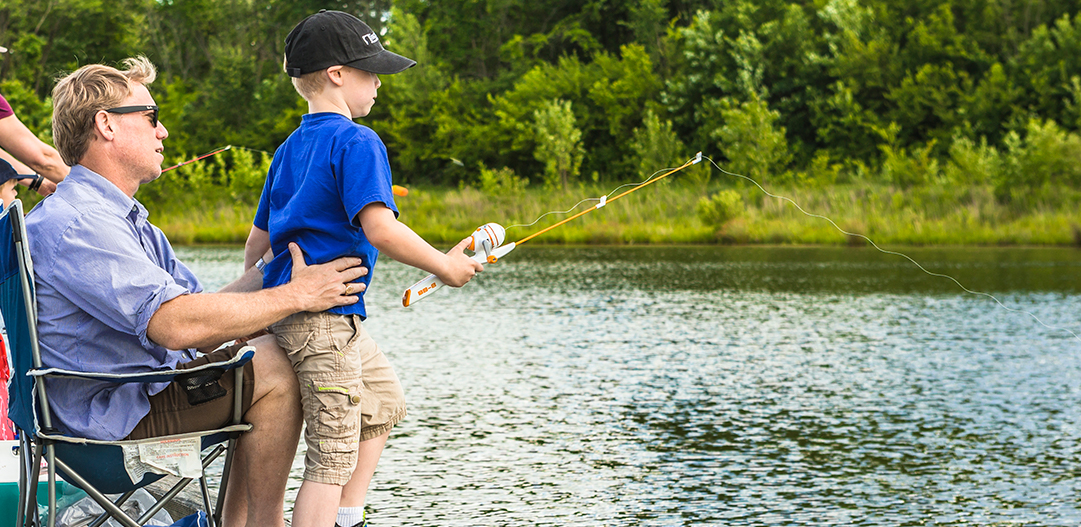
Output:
(113, 297)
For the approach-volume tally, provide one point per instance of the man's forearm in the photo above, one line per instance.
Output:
(208, 319)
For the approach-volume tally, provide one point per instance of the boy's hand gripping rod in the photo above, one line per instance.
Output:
(487, 240)
(487, 245)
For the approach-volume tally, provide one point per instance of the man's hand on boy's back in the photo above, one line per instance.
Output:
(325, 286)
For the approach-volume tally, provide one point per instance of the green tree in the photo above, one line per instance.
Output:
(655, 145)
(720, 208)
(1045, 158)
(52, 36)
(1044, 65)
(609, 96)
(753, 143)
(558, 142)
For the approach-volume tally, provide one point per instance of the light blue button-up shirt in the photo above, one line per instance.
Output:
(101, 271)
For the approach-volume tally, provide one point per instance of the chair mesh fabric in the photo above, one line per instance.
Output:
(102, 465)
(14, 306)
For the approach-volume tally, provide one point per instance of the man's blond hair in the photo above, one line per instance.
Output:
(79, 97)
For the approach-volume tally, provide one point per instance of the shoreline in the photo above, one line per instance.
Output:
(671, 214)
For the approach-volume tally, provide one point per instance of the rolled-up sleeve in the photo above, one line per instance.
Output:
(110, 277)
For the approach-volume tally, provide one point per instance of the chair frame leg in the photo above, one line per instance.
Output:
(34, 470)
(33, 453)
(215, 515)
(50, 453)
(104, 517)
(29, 459)
(103, 501)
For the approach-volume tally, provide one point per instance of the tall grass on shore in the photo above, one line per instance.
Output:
(214, 202)
(669, 213)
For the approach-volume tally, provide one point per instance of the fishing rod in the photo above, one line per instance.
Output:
(487, 241)
(200, 158)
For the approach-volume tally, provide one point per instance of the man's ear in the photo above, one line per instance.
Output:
(103, 125)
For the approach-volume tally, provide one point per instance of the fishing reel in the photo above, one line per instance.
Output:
(487, 245)
(486, 239)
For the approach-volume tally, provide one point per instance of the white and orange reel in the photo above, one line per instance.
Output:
(487, 245)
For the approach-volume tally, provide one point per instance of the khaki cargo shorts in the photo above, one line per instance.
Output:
(348, 390)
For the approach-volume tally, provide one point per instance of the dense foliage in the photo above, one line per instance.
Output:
(909, 93)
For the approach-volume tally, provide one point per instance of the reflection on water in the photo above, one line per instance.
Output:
(731, 386)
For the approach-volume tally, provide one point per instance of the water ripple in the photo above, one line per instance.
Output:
(719, 386)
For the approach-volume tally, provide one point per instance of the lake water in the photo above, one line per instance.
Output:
(731, 386)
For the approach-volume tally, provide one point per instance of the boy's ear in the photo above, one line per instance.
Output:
(334, 73)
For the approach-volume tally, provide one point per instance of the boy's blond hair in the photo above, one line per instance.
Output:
(309, 85)
(88, 90)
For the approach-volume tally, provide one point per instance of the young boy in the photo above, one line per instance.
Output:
(9, 176)
(329, 190)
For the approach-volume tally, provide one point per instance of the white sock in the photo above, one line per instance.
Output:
(350, 516)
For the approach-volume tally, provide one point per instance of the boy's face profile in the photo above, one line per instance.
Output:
(7, 192)
(360, 88)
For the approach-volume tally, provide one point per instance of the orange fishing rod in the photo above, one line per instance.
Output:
(605, 200)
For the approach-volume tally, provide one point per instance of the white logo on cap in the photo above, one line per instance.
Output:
(371, 38)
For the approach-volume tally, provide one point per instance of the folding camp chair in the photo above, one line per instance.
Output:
(97, 467)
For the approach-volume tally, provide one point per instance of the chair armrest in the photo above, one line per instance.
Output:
(246, 354)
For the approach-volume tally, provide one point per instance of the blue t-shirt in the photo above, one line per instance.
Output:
(321, 176)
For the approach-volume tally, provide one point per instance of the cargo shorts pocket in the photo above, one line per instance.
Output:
(293, 339)
(333, 409)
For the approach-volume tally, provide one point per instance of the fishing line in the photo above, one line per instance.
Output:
(885, 251)
(492, 236)
(487, 241)
(603, 200)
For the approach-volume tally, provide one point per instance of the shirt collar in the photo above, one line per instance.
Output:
(322, 116)
(93, 188)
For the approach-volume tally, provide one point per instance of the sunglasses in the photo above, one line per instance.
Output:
(139, 108)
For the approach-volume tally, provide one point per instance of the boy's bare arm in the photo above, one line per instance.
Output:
(396, 240)
(258, 244)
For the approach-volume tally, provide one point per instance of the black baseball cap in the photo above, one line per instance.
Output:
(7, 172)
(333, 38)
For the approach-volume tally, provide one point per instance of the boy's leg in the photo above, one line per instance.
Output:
(356, 491)
(329, 373)
(316, 505)
(383, 406)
